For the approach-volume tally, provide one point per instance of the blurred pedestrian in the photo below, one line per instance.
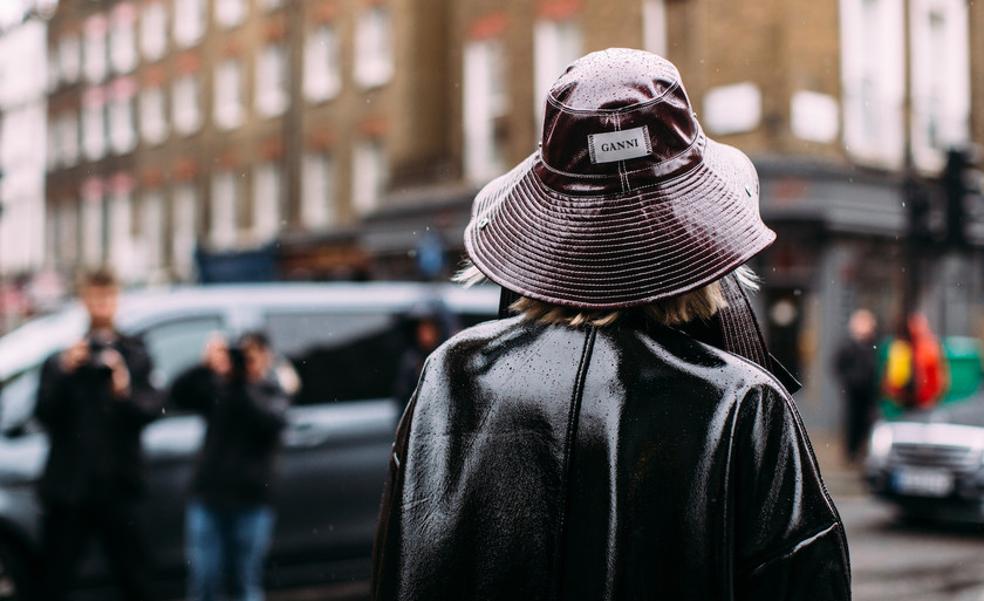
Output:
(856, 367)
(93, 401)
(588, 448)
(426, 328)
(243, 394)
(916, 374)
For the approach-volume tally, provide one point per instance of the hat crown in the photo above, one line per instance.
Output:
(613, 79)
(617, 120)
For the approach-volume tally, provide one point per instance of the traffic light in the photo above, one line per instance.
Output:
(961, 182)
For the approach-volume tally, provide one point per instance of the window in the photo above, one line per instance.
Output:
(339, 356)
(94, 52)
(266, 201)
(68, 139)
(153, 115)
(271, 80)
(486, 95)
(184, 229)
(189, 22)
(93, 124)
(122, 130)
(121, 250)
(872, 70)
(373, 47)
(733, 108)
(123, 39)
(69, 53)
(175, 346)
(940, 63)
(153, 30)
(225, 193)
(152, 222)
(368, 175)
(229, 13)
(814, 116)
(654, 26)
(92, 223)
(186, 110)
(318, 198)
(228, 94)
(322, 76)
(555, 45)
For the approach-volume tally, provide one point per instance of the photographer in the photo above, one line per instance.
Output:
(93, 400)
(243, 395)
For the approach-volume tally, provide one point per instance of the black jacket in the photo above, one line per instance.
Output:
(856, 365)
(544, 462)
(237, 462)
(94, 438)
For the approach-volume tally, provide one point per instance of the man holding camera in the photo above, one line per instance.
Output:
(93, 400)
(243, 395)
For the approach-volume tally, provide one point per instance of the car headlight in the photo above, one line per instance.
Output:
(880, 444)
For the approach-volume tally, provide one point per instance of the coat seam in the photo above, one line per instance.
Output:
(569, 440)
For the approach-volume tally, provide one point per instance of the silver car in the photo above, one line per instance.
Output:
(345, 341)
(931, 464)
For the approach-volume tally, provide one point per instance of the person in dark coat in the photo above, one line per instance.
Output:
(586, 446)
(856, 366)
(94, 400)
(244, 396)
(426, 327)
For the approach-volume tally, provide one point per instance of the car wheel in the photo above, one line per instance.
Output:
(15, 574)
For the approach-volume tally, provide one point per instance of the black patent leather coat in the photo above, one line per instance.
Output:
(545, 462)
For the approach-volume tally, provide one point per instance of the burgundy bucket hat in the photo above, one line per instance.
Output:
(625, 202)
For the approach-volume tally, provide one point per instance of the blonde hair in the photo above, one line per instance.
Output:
(702, 303)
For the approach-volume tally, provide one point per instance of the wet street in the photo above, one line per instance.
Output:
(897, 561)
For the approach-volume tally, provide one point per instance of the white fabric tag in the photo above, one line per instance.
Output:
(619, 145)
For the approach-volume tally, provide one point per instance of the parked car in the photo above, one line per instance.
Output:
(345, 342)
(931, 464)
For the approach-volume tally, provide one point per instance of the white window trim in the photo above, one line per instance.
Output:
(229, 110)
(872, 71)
(322, 58)
(318, 192)
(271, 79)
(374, 47)
(551, 53)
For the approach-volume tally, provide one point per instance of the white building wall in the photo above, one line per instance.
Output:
(23, 135)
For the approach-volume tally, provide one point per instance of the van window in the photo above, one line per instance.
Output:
(339, 356)
(178, 344)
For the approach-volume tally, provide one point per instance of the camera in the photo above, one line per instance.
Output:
(237, 362)
(97, 348)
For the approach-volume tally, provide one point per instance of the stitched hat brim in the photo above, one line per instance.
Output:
(614, 252)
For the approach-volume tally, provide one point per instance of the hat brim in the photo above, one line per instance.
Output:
(614, 252)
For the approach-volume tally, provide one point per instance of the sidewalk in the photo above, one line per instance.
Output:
(842, 480)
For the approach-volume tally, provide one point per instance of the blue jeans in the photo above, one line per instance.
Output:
(226, 549)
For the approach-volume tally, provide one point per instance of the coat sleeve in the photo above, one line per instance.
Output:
(194, 389)
(52, 405)
(145, 401)
(265, 407)
(386, 548)
(789, 539)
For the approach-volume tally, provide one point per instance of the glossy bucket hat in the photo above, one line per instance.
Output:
(625, 202)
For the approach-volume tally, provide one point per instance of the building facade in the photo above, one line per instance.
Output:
(349, 136)
(223, 125)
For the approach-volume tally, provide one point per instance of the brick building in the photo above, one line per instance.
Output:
(226, 124)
